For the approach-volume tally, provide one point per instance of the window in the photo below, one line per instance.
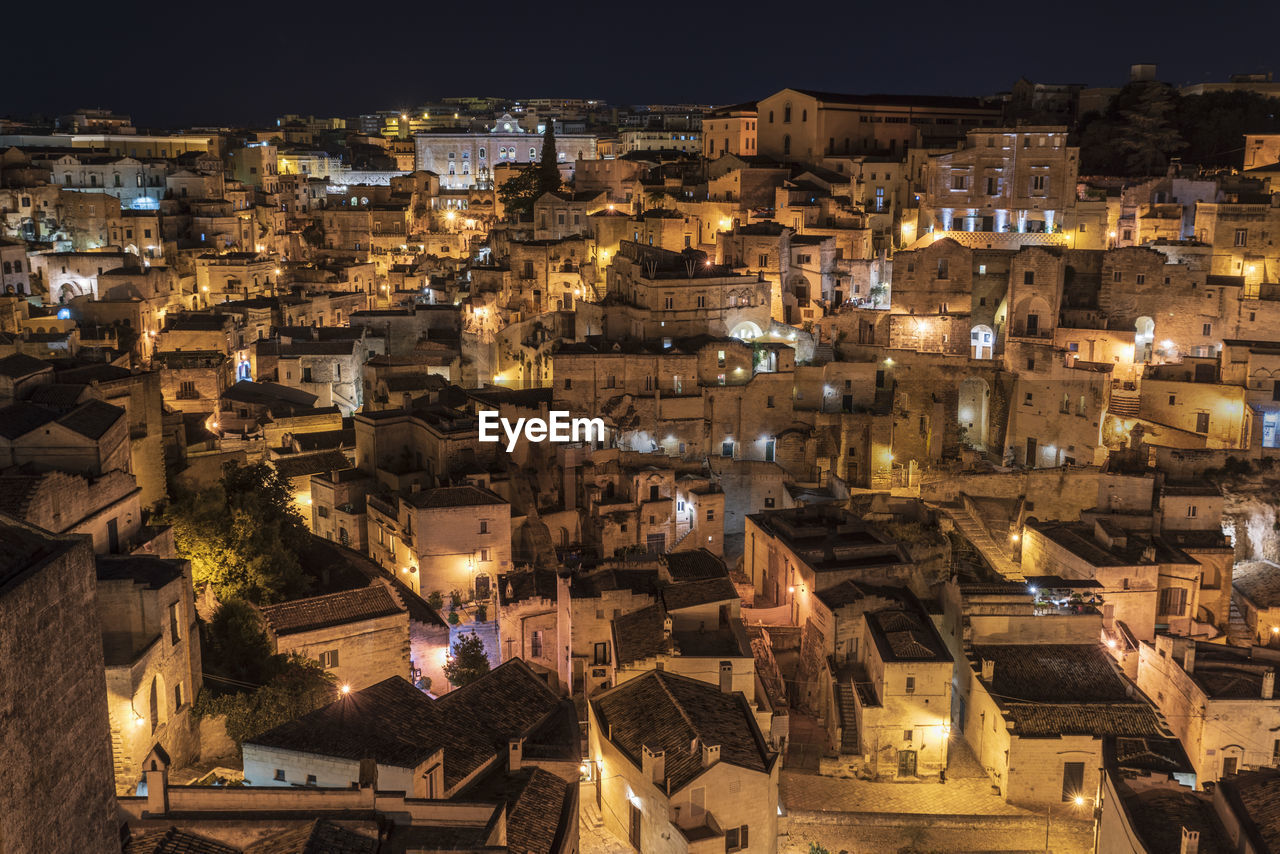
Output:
(1117, 276)
(1141, 278)
(174, 634)
(786, 113)
(1173, 601)
(959, 182)
(768, 502)
(1207, 329)
(485, 556)
(993, 186)
(1242, 236)
(280, 775)
(602, 654)
(735, 838)
(769, 402)
(329, 659)
(907, 735)
(1039, 183)
(726, 448)
(1202, 422)
(911, 686)
(311, 779)
(1026, 401)
(535, 644)
(942, 269)
(568, 383)
(1173, 400)
(711, 515)
(1191, 511)
(719, 358)
(1029, 277)
(177, 696)
(484, 526)
(1072, 780)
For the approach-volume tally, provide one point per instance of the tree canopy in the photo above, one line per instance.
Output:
(243, 535)
(467, 662)
(519, 192)
(255, 689)
(1148, 123)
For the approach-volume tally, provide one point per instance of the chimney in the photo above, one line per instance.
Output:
(1269, 684)
(515, 754)
(653, 764)
(726, 677)
(1190, 842)
(1189, 658)
(157, 791)
(710, 755)
(988, 670)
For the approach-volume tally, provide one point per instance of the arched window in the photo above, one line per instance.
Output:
(786, 112)
(117, 179)
(771, 117)
(786, 144)
(804, 115)
(533, 153)
(482, 152)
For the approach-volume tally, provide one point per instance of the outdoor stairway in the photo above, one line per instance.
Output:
(823, 353)
(1238, 633)
(976, 533)
(1124, 404)
(588, 812)
(848, 717)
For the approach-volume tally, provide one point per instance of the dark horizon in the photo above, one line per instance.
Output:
(185, 70)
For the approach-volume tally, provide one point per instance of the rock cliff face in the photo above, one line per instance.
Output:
(1249, 516)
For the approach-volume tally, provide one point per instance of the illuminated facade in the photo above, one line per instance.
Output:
(465, 159)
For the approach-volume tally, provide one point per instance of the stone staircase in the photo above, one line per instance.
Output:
(1238, 633)
(588, 812)
(823, 353)
(1125, 404)
(848, 717)
(976, 533)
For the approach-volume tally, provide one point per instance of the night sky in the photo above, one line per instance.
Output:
(169, 64)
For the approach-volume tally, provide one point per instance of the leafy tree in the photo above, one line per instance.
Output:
(1214, 124)
(235, 645)
(519, 192)
(1135, 136)
(242, 536)
(298, 687)
(468, 661)
(1149, 137)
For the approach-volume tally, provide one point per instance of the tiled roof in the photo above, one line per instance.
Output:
(1048, 720)
(538, 807)
(639, 635)
(1158, 815)
(60, 396)
(695, 564)
(692, 593)
(171, 840)
(154, 572)
(18, 365)
(1257, 580)
(92, 419)
(317, 837)
(20, 419)
(1051, 673)
(332, 609)
(905, 633)
(453, 496)
(395, 724)
(667, 712)
(1257, 796)
(299, 465)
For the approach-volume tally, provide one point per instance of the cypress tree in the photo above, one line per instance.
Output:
(548, 171)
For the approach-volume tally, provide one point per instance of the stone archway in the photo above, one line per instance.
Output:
(973, 410)
(746, 331)
(1144, 333)
(982, 342)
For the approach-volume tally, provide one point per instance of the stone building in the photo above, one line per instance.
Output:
(55, 735)
(466, 159)
(676, 761)
(454, 538)
(151, 648)
(1003, 180)
(804, 125)
(361, 636)
(730, 130)
(1219, 700)
(655, 293)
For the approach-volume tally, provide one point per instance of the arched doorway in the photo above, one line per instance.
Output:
(746, 331)
(982, 342)
(1143, 339)
(972, 412)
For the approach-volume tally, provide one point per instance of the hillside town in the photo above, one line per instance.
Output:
(824, 473)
